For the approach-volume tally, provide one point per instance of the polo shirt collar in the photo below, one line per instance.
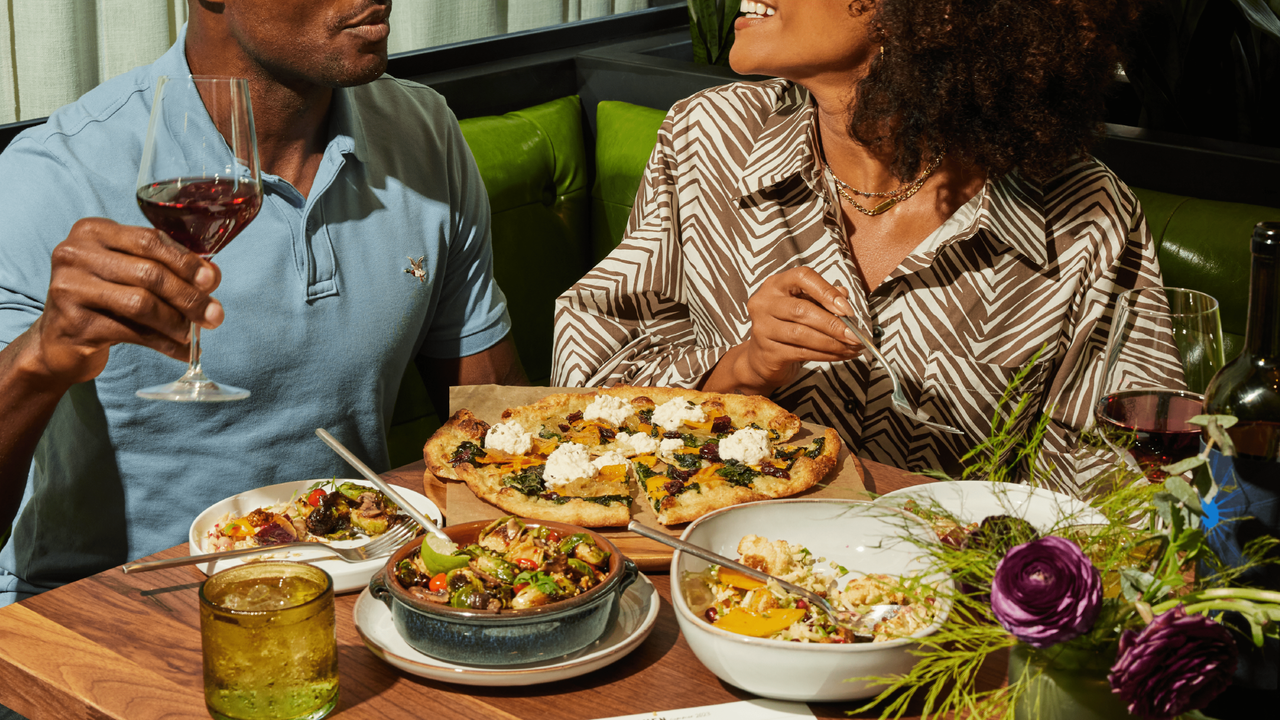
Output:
(785, 145)
(346, 128)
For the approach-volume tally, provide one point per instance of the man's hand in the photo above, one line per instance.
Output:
(794, 319)
(113, 284)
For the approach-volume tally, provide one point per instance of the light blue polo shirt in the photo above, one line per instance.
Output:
(321, 317)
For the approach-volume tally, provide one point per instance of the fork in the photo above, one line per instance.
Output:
(381, 546)
(899, 398)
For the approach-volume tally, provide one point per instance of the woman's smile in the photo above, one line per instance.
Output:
(752, 13)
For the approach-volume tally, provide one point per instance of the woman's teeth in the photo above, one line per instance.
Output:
(755, 9)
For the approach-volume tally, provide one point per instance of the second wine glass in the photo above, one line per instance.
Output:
(200, 183)
(1165, 345)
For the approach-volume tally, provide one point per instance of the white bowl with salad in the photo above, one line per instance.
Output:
(863, 557)
(216, 529)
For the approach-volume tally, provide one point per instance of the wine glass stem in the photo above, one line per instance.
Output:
(193, 363)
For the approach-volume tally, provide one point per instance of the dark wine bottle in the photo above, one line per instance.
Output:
(1248, 504)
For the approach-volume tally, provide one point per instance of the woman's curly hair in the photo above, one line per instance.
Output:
(1001, 84)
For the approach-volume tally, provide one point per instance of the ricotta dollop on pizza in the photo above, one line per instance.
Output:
(574, 457)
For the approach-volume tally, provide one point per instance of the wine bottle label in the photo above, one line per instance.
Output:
(1246, 507)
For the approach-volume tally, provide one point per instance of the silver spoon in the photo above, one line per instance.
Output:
(898, 398)
(381, 484)
(843, 618)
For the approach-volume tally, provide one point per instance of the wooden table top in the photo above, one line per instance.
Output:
(128, 646)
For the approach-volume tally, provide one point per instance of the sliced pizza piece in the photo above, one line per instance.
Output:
(567, 486)
(690, 482)
(457, 441)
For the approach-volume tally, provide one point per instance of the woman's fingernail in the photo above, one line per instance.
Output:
(204, 278)
(848, 334)
(844, 306)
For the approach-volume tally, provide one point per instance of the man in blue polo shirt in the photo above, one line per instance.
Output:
(314, 313)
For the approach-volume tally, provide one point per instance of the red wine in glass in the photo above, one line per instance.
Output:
(203, 215)
(1152, 425)
(200, 183)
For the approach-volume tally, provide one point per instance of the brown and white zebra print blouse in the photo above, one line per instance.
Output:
(734, 193)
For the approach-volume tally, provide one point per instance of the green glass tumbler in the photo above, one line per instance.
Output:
(270, 649)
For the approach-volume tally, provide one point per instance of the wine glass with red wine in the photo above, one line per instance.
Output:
(1165, 345)
(200, 183)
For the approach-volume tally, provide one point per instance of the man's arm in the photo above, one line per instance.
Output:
(109, 284)
(499, 365)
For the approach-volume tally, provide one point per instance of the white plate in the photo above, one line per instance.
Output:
(346, 576)
(637, 610)
(972, 500)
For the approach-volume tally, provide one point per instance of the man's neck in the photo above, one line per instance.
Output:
(291, 120)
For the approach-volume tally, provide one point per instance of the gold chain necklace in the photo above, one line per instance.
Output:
(903, 192)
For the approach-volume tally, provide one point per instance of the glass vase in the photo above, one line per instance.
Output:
(1058, 692)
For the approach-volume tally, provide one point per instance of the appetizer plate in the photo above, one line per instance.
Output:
(972, 500)
(346, 576)
(637, 610)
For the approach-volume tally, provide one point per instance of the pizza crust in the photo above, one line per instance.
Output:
(460, 428)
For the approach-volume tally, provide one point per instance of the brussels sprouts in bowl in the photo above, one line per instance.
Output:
(514, 592)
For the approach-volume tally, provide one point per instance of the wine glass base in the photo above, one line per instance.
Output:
(184, 390)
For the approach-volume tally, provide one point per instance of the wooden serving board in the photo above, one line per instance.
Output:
(488, 402)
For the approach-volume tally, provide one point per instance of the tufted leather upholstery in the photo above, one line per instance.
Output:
(534, 165)
(536, 172)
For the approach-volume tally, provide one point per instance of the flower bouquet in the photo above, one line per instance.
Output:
(1133, 604)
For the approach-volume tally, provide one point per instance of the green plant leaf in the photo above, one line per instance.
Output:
(1182, 466)
(1218, 433)
(1163, 503)
(1224, 421)
(1133, 583)
(1186, 494)
(1260, 16)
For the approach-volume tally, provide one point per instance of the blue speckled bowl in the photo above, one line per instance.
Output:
(483, 637)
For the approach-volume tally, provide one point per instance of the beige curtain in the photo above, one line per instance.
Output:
(53, 51)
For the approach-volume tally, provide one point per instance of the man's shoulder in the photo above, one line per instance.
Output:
(116, 106)
(399, 101)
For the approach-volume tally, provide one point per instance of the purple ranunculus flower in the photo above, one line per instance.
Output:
(1046, 592)
(1176, 664)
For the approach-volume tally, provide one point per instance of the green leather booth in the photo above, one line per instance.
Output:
(547, 232)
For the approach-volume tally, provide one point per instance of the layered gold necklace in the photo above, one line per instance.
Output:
(891, 197)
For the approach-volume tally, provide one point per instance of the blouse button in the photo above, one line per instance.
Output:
(877, 332)
(850, 406)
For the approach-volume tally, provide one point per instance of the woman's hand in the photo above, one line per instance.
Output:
(794, 319)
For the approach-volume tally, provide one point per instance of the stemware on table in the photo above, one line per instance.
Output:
(200, 183)
(1164, 346)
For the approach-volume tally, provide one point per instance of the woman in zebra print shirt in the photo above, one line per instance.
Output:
(919, 166)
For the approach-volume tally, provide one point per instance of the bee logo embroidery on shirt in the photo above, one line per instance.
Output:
(415, 269)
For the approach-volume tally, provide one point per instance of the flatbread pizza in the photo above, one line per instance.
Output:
(574, 457)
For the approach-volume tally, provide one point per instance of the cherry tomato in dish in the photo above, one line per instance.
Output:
(315, 497)
(519, 587)
(526, 564)
(438, 583)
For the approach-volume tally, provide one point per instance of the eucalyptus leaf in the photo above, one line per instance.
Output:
(1182, 466)
(1186, 494)
(1224, 421)
(1163, 503)
(1133, 583)
(1217, 428)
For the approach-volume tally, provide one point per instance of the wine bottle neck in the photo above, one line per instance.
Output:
(1262, 334)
